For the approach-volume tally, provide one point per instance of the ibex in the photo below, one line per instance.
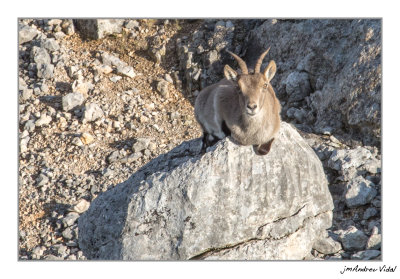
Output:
(242, 105)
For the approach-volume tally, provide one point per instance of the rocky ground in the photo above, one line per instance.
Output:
(92, 112)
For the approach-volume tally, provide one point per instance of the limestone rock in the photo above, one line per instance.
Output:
(92, 112)
(26, 34)
(327, 246)
(226, 204)
(359, 192)
(342, 59)
(72, 100)
(353, 239)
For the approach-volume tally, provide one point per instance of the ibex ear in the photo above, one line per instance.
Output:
(229, 73)
(270, 71)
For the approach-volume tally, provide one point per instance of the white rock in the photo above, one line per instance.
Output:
(81, 206)
(72, 100)
(43, 120)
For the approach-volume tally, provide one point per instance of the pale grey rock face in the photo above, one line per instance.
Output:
(297, 86)
(341, 57)
(226, 204)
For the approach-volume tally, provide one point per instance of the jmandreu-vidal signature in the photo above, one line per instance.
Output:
(357, 268)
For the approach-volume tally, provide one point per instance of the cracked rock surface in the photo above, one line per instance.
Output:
(226, 204)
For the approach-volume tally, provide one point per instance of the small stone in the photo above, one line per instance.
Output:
(211, 58)
(72, 70)
(132, 24)
(152, 146)
(70, 219)
(115, 156)
(375, 240)
(51, 257)
(168, 78)
(38, 251)
(92, 112)
(59, 35)
(107, 172)
(174, 115)
(67, 233)
(366, 255)
(81, 206)
(51, 45)
(126, 71)
(162, 88)
(115, 78)
(373, 166)
(104, 69)
(353, 239)
(77, 141)
(44, 88)
(43, 120)
(370, 212)
(23, 144)
(68, 26)
(327, 246)
(54, 21)
(81, 87)
(72, 244)
(40, 55)
(116, 124)
(140, 144)
(229, 24)
(30, 125)
(131, 158)
(218, 25)
(71, 257)
(26, 34)
(72, 100)
(45, 71)
(345, 159)
(24, 134)
(26, 94)
(359, 192)
(42, 180)
(86, 138)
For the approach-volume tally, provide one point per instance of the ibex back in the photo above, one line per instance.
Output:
(243, 106)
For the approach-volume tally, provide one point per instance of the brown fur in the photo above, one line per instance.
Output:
(246, 103)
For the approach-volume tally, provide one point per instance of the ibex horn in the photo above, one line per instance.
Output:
(259, 61)
(241, 63)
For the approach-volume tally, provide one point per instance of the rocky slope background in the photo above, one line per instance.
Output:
(99, 100)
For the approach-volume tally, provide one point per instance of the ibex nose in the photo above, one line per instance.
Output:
(252, 106)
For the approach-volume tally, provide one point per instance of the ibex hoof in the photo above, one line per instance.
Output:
(263, 149)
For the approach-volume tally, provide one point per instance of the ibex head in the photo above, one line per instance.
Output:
(250, 86)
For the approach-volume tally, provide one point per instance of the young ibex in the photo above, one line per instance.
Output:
(241, 105)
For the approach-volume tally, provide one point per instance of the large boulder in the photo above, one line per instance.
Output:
(334, 65)
(226, 204)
